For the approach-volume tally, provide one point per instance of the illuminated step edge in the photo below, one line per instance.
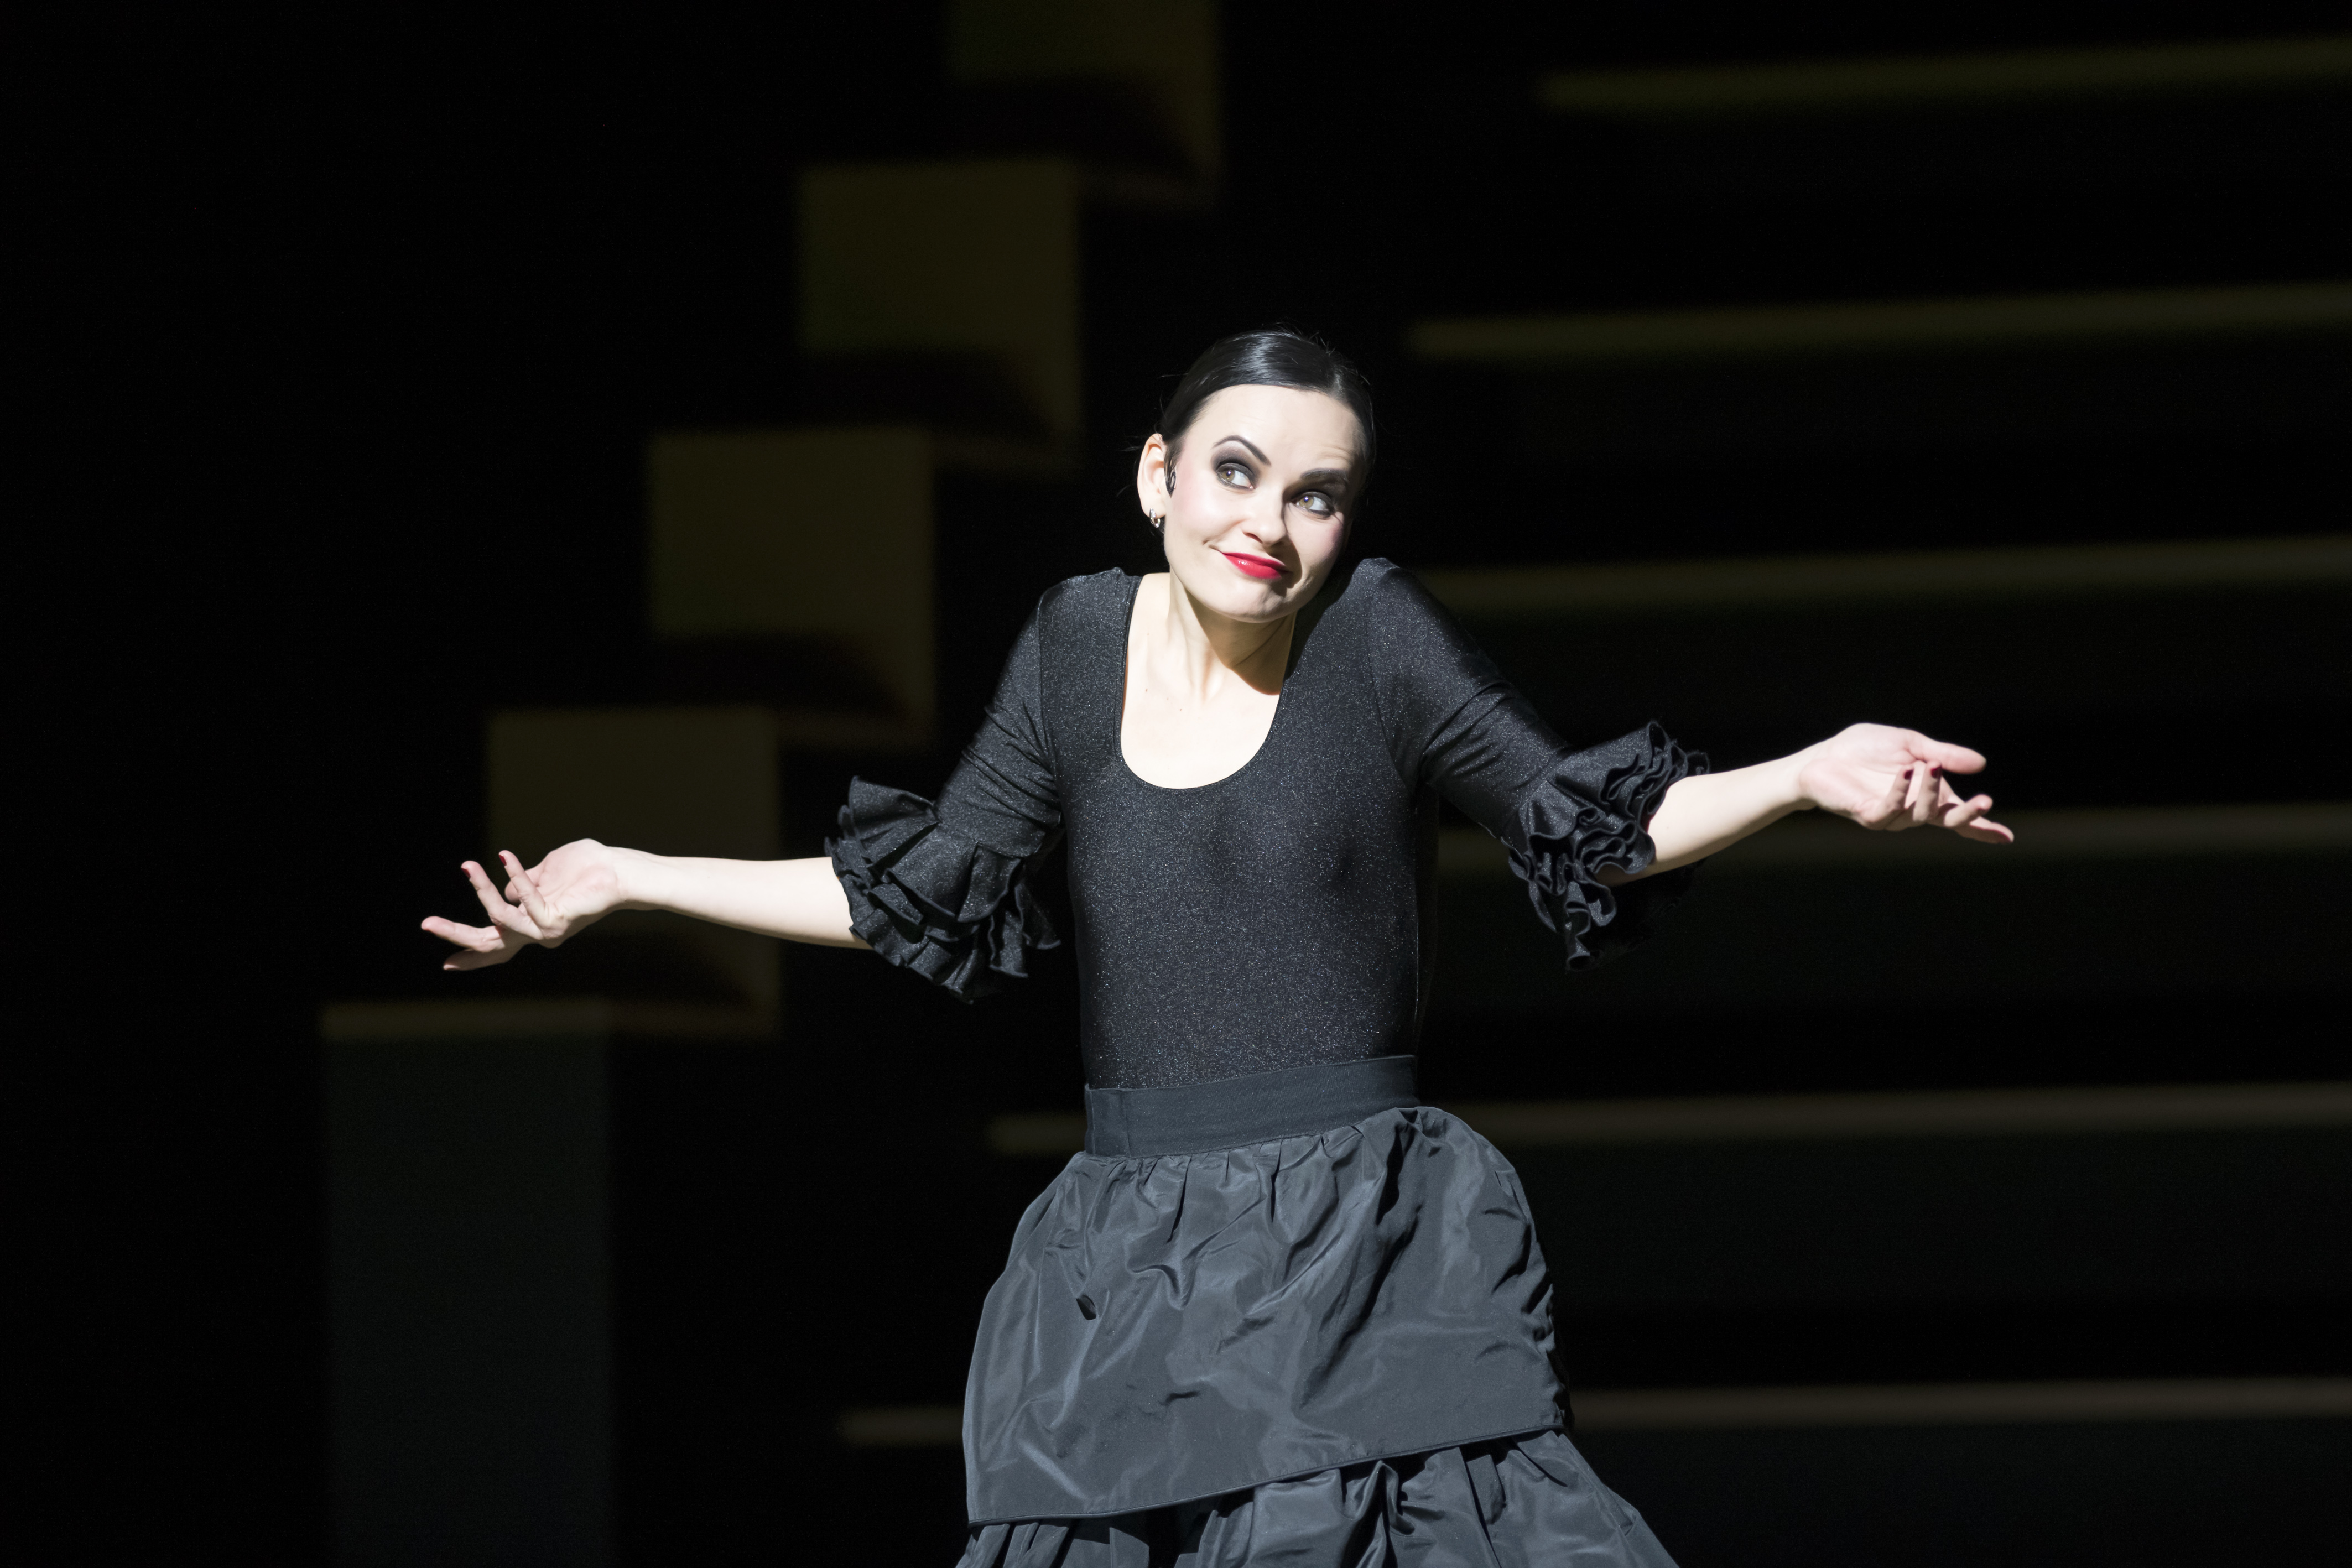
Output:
(1970, 1112)
(1980, 1113)
(1803, 581)
(1882, 1405)
(902, 1426)
(1815, 86)
(1810, 840)
(1965, 1404)
(1538, 341)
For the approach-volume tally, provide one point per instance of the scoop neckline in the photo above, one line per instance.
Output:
(1118, 704)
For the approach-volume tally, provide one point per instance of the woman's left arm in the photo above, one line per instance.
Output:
(1885, 778)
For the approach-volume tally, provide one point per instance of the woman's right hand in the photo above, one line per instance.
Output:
(568, 891)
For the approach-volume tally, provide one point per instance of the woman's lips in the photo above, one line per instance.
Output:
(1264, 568)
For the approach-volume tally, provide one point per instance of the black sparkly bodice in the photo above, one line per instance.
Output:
(1280, 916)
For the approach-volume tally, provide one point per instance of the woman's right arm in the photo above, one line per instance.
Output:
(578, 884)
(938, 888)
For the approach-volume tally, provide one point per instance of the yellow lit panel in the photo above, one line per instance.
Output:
(972, 257)
(820, 534)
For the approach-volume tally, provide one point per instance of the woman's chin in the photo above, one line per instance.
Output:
(1246, 601)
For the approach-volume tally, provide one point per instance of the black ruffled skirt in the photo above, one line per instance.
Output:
(1224, 1338)
(1529, 1502)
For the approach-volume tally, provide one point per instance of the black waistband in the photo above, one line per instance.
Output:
(1253, 1109)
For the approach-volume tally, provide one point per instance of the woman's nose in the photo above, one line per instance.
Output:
(1266, 519)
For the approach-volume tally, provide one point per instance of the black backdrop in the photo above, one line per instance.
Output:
(353, 330)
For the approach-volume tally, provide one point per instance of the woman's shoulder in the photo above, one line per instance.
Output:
(1096, 593)
(1385, 623)
(1378, 595)
(1078, 605)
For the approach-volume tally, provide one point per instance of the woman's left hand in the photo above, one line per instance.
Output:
(1890, 779)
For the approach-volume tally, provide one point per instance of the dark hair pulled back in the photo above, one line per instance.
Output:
(1272, 357)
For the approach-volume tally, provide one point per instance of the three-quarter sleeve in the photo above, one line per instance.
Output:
(942, 888)
(1564, 816)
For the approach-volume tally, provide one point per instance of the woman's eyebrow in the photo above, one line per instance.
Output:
(1245, 441)
(1334, 476)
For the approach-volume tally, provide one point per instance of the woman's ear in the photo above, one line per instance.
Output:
(1155, 478)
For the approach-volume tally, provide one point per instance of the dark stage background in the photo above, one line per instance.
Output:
(1662, 308)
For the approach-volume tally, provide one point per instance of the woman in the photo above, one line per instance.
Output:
(1279, 1309)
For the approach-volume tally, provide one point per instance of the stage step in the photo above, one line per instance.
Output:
(2087, 906)
(1998, 1199)
(2058, 662)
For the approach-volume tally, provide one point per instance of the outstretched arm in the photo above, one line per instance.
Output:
(578, 884)
(1885, 778)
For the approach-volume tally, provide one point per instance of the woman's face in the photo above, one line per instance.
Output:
(1263, 481)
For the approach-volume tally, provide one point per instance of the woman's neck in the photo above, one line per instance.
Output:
(1202, 648)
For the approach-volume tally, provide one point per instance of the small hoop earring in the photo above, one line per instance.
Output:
(1159, 522)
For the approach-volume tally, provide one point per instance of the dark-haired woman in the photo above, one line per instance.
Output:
(1278, 1311)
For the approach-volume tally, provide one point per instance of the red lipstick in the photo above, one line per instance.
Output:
(1264, 568)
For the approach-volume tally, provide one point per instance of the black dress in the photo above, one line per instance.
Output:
(1278, 1309)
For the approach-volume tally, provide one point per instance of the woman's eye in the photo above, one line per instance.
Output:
(1234, 472)
(1317, 503)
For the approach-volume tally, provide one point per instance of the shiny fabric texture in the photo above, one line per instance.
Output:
(1526, 1502)
(1181, 1327)
(1300, 887)
(928, 899)
(1565, 835)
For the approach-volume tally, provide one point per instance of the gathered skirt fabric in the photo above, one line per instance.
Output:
(1174, 1328)
(1529, 1503)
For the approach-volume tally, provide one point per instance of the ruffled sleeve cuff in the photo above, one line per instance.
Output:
(928, 899)
(1593, 811)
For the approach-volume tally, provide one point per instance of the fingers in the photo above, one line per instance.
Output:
(1967, 820)
(481, 944)
(1889, 806)
(478, 960)
(509, 931)
(1943, 754)
(480, 939)
(1910, 800)
(533, 904)
(1925, 803)
(500, 911)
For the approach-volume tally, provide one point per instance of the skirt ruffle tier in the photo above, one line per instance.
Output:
(1526, 1503)
(1219, 1341)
